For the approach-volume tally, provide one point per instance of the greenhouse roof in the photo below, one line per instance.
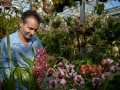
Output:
(113, 5)
(109, 5)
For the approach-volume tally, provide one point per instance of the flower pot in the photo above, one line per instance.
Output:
(104, 21)
(90, 31)
(6, 4)
(59, 7)
(33, 8)
(2, 36)
(111, 36)
(46, 9)
(77, 19)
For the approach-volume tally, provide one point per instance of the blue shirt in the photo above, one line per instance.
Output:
(18, 47)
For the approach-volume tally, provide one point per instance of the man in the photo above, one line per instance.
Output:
(22, 41)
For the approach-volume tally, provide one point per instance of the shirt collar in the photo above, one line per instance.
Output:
(17, 41)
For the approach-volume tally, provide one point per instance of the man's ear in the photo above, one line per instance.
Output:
(21, 23)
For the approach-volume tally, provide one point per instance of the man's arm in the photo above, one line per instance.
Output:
(4, 58)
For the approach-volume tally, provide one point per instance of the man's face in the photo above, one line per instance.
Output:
(29, 28)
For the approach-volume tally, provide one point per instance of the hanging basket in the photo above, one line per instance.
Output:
(111, 36)
(77, 19)
(6, 4)
(46, 9)
(103, 0)
(99, 12)
(59, 7)
(33, 8)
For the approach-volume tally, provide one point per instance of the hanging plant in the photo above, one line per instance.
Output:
(46, 6)
(57, 1)
(59, 7)
(103, 0)
(99, 8)
(46, 9)
(33, 8)
(6, 4)
(77, 19)
(111, 36)
(68, 20)
(70, 3)
(112, 28)
(57, 22)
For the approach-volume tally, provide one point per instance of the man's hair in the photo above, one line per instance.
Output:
(29, 13)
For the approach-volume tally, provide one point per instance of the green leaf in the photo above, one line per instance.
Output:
(9, 82)
(105, 84)
(28, 61)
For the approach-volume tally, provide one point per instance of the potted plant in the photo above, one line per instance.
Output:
(99, 8)
(46, 19)
(6, 4)
(56, 22)
(112, 28)
(46, 6)
(32, 8)
(9, 24)
(103, 0)
(68, 20)
(70, 3)
(77, 19)
(59, 7)
(33, 4)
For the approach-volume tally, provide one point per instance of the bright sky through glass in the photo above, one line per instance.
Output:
(113, 3)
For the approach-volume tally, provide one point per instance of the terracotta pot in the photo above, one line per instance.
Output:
(103, 21)
(77, 19)
(2, 36)
(33, 8)
(6, 4)
(46, 9)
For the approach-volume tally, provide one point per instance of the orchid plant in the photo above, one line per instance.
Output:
(65, 76)
(59, 74)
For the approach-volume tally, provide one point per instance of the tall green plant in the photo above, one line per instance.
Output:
(8, 23)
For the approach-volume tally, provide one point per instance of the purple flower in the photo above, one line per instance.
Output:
(62, 82)
(114, 69)
(105, 75)
(53, 84)
(97, 81)
(78, 79)
(50, 72)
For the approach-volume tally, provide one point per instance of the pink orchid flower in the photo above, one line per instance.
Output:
(97, 81)
(50, 72)
(107, 61)
(53, 84)
(114, 69)
(62, 82)
(78, 79)
(105, 75)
